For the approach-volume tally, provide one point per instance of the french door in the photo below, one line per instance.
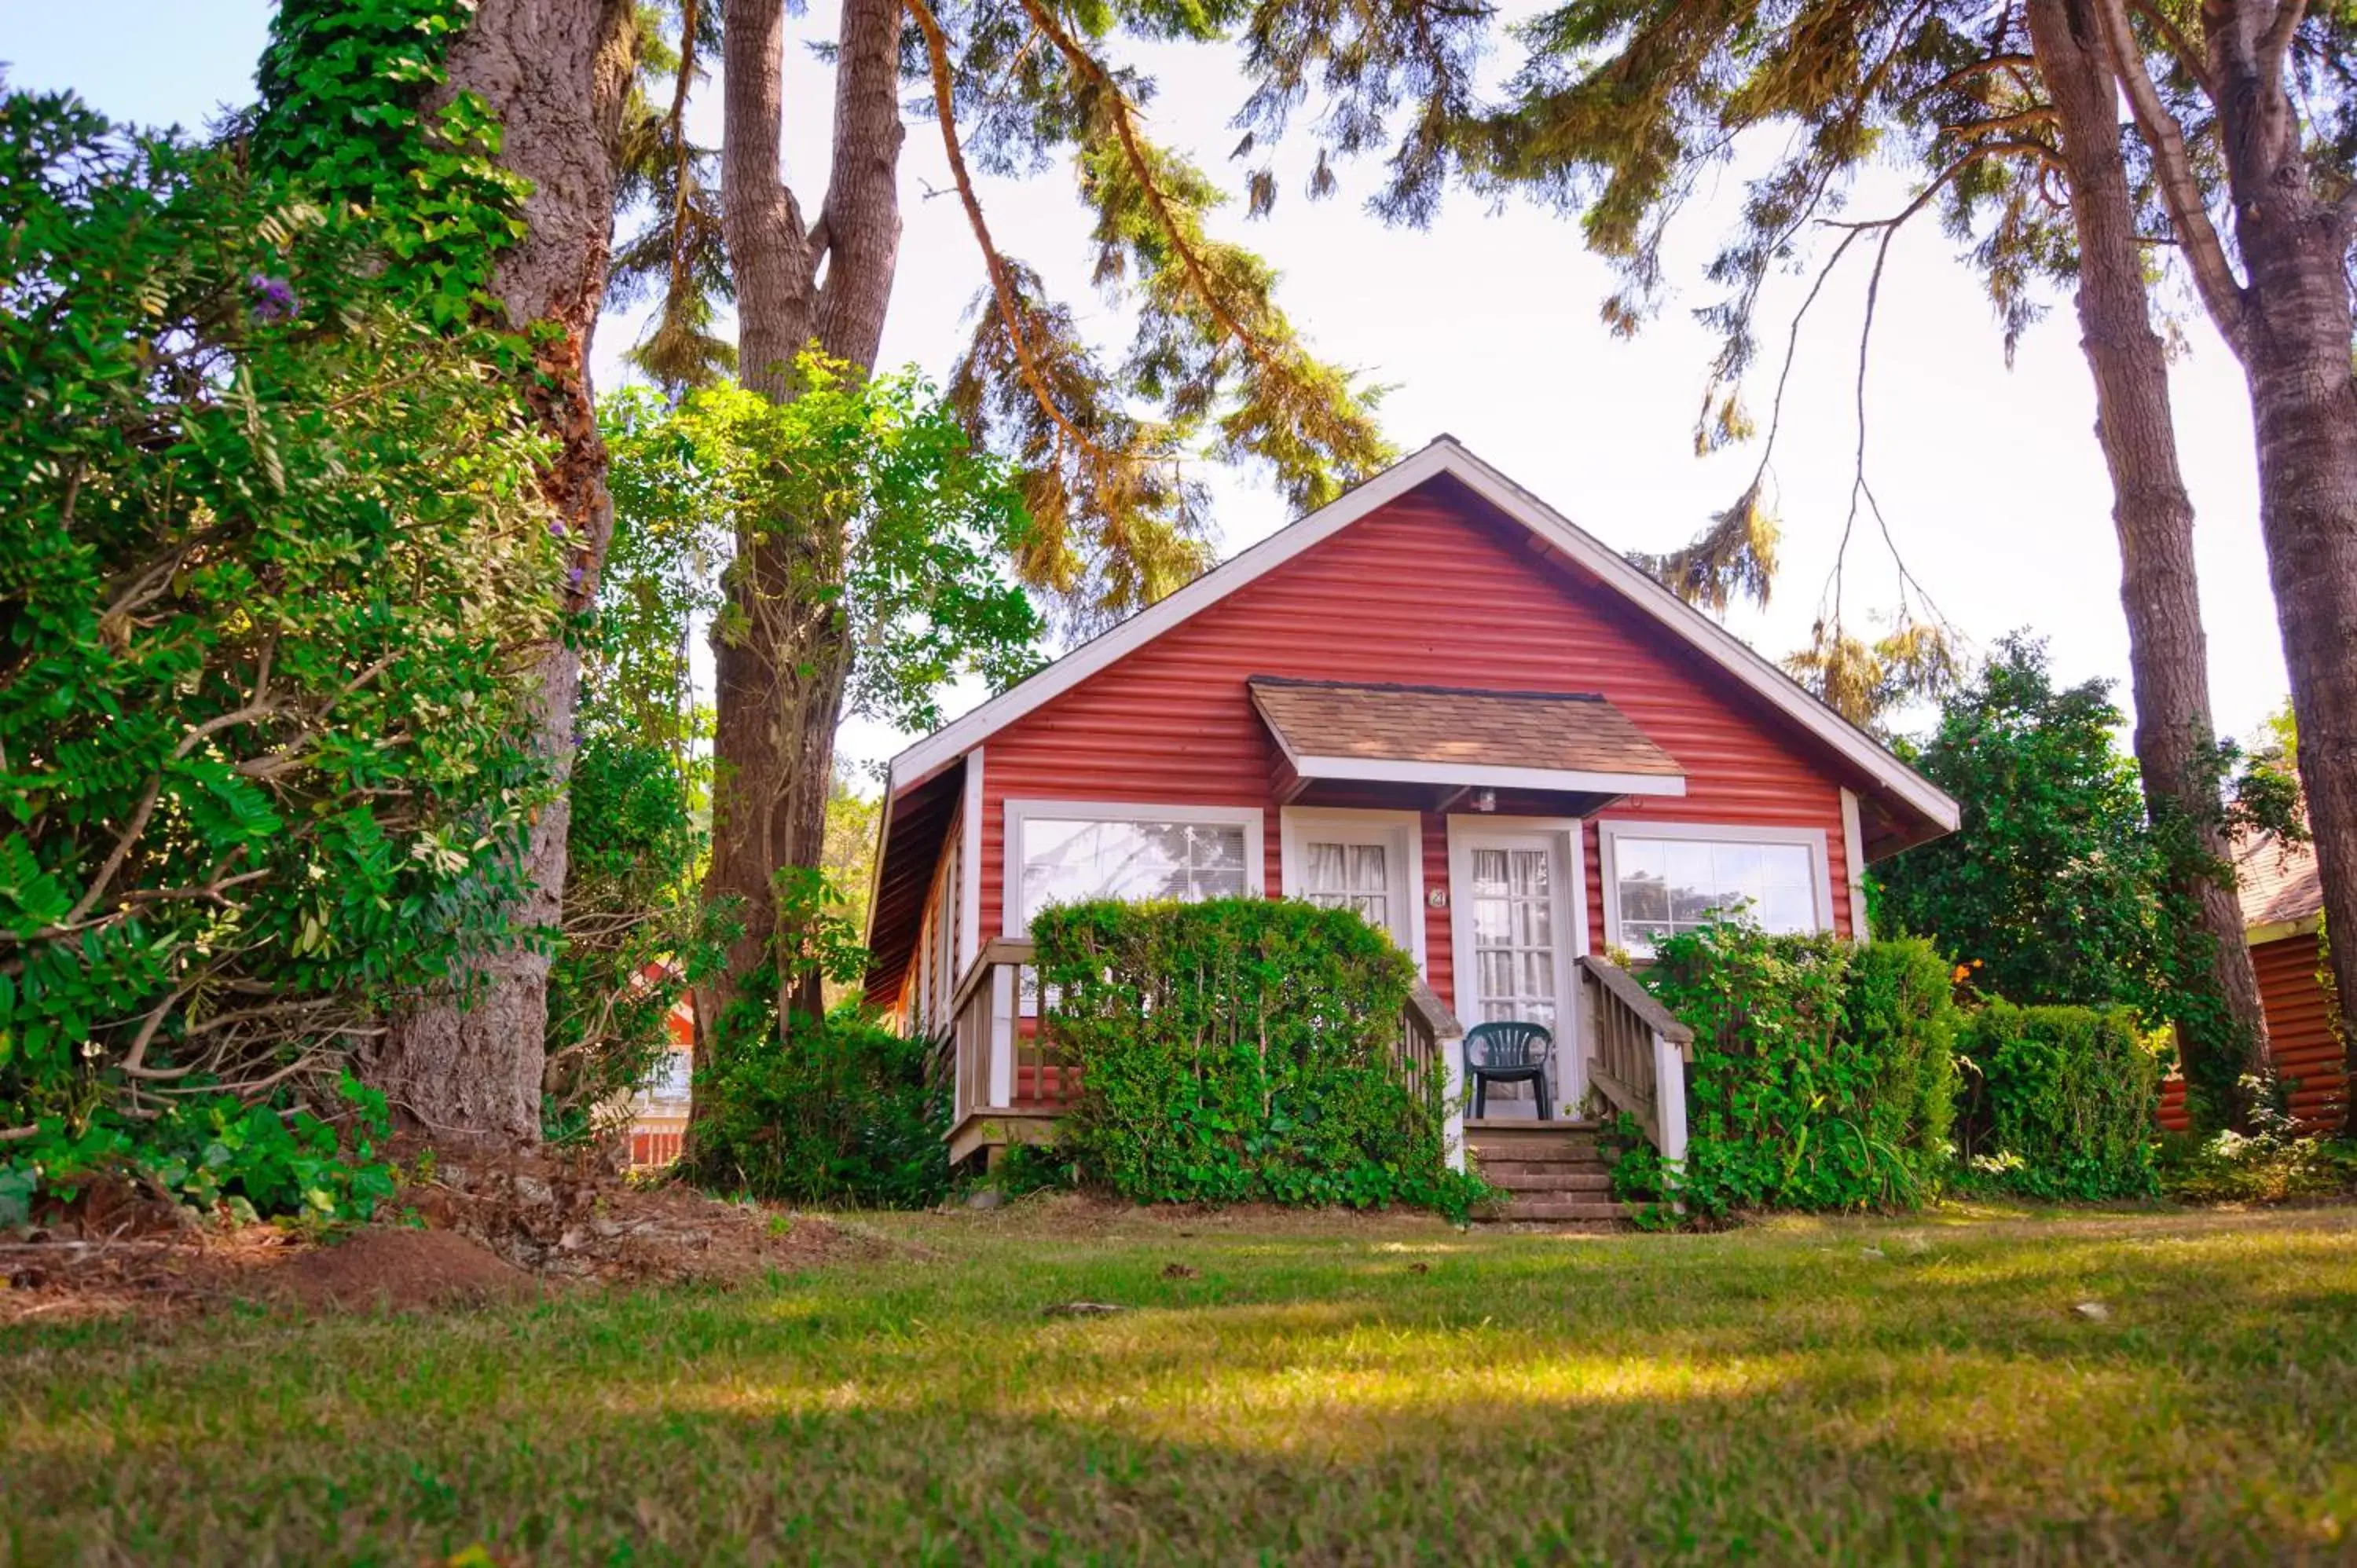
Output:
(1515, 888)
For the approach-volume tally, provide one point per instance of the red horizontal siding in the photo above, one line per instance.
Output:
(2299, 1037)
(2299, 1029)
(1430, 589)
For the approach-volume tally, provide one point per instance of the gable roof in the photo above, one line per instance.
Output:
(1445, 456)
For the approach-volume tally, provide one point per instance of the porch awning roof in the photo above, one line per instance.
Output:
(1459, 736)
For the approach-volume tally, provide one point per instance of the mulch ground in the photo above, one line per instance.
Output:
(499, 1231)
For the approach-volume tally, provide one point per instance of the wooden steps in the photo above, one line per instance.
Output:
(1553, 1174)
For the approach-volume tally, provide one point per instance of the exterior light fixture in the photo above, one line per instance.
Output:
(1485, 800)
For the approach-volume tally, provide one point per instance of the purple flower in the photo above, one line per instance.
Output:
(274, 298)
(556, 528)
(575, 575)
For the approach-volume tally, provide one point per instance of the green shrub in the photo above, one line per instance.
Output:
(837, 1113)
(216, 1157)
(2273, 1166)
(1242, 1050)
(270, 552)
(2058, 1101)
(1822, 1073)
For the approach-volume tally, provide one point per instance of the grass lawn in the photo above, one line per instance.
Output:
(1316, 1390)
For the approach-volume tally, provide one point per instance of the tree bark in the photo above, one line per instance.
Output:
(556, 71)
(2153, 516)
(2294, 335)
(781, 659)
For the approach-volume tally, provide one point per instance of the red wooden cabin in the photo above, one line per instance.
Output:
(2283, 916)
(1434, 700)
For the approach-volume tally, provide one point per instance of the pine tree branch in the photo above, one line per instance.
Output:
(682, 154)
(1002, 286)
(2213, 275)
(1142, 168)
(2181, 49)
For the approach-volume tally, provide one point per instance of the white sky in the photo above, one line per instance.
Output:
(1486, 327)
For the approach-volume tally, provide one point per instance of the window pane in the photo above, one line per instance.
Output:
(1489, 871)
(1774, 885)
(1067, 860)
(1788, 909)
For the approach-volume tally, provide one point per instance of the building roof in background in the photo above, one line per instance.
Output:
(2278, 885)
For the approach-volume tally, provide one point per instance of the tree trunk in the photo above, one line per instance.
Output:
(782, 663)
(2153, 515)
(556, 71)
(2294, 336)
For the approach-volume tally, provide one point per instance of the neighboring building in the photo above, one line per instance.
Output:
(2283, 913)
(1436, 701)
(659, 1110)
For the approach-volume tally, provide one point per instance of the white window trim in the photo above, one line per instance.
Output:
(1402, 832)
(1854, 863)
(1609, 833)
(1018, 813)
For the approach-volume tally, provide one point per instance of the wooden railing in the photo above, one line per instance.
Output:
(1002, 1040)
(1427, 1029)
(1637, 1052)
(1001, 1051)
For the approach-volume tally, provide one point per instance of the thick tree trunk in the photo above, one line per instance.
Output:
(2153, 515)
(2295, 341)
(556, 71)
(781, 665)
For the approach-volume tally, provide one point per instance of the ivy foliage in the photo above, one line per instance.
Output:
(2059, 1101)
(1241, 1050)
(346, 116)
(1823, 1074)
(259, 755)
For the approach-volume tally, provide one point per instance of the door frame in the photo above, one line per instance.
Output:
(1566, 837)
(1402, 833)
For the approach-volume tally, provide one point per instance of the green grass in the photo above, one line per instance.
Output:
(1880, 1391)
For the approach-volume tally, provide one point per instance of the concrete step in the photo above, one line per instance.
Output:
(1553, 1178)
(1542, 1161)
(1557, 1207)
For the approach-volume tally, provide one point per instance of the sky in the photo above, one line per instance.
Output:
(1486, 327)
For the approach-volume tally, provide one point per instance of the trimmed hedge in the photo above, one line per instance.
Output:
(1242, 1050)
(2059, 1101)
(1823, 1074)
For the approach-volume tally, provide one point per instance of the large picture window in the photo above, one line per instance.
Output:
(1661, 880)
(1063, 854)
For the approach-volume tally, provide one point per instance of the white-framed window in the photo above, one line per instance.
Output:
(1063, 852)
(1371, 861)
(1663, 878)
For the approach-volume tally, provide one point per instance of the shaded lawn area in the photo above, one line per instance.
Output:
(1319, 1389)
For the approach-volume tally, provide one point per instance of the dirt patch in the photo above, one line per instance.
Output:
(397, 1269)
(574, 1218)
(484, 1233)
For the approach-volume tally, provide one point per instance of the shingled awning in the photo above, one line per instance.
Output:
(1573, 742)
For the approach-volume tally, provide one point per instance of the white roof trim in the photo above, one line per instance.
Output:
(2277, 931)
(1577, 781)
(1444, 456)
